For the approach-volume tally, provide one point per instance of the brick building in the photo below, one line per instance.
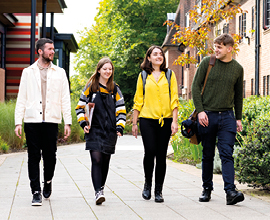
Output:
(247, 55)
(243, 24)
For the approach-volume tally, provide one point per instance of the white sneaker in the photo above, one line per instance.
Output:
(99, 198)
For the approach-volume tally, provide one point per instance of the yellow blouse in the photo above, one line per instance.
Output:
(156, 102)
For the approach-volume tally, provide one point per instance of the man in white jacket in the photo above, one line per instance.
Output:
(43, 96)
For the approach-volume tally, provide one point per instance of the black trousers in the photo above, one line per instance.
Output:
(41, 140)
(222, 126)
(155, 140)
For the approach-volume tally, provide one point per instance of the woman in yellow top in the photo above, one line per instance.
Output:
(156, 106)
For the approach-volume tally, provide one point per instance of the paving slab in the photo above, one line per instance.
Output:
(73, 193)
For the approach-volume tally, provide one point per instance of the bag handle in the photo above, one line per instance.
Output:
(211, 64)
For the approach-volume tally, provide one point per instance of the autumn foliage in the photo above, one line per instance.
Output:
(203, 17)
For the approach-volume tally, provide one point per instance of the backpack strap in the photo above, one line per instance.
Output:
(144, 76)
(211, 64)
(168, 75)
(114, 92)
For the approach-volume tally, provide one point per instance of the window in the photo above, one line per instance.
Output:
(242, 26)
(266, 14)
(170, 17)
(187, 20)
(226, 28)
(198, 56)
(267, 85)
(188, 65)
(182, 78)
(199, 5)
(244, 89)
(252, 20)
(264, 85)
(252, 86)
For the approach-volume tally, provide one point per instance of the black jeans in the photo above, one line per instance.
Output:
(155, 140)
(222, 126)
(41, 140)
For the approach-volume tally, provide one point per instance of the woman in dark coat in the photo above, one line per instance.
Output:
(108, 122)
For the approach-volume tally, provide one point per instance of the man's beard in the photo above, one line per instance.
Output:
(46, 59)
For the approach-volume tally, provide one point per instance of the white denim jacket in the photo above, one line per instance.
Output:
(29, 101)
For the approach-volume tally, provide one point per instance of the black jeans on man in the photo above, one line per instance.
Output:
(41, 140)
(155, 140)
(221, 128)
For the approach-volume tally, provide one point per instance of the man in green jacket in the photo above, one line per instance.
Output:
(220, 113)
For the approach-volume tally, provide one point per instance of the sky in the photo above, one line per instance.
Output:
(77, 15)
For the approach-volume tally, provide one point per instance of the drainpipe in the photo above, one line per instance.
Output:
(33, 31)
(257, 47)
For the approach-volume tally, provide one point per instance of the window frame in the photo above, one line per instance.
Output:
(264, 85)
(242, 26)
(267, 85)
(188, 64)
(252, 20)
(266, 16)
(226, 28)
(252, 85)
(187, 20)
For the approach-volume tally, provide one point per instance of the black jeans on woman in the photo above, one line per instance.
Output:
(155, 140)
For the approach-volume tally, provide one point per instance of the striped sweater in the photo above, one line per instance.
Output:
(120, 109)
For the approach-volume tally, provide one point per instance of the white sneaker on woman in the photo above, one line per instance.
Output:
(99, 197)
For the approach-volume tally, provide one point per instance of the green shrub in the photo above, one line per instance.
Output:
(185, 109)
(253, 108)
(7, 125)
(185, 151)
(252, 164)
(4, 147)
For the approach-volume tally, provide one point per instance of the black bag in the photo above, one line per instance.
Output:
(189, 126)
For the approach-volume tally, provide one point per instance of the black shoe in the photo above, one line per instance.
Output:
(234, 197)
(158, 193)
(206, 195)
(47, 189)
(146, 193)
(37, 199)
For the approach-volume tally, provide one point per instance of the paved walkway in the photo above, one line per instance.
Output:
(73, 194)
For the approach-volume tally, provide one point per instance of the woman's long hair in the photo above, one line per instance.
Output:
(94, 79)
(147, 65)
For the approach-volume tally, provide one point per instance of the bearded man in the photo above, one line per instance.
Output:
(43, 96)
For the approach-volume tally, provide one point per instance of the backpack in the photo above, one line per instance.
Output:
(168, 75)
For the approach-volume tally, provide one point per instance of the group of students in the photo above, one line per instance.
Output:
(156, 108)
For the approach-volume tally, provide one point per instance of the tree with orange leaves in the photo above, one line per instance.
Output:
(202, 18)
